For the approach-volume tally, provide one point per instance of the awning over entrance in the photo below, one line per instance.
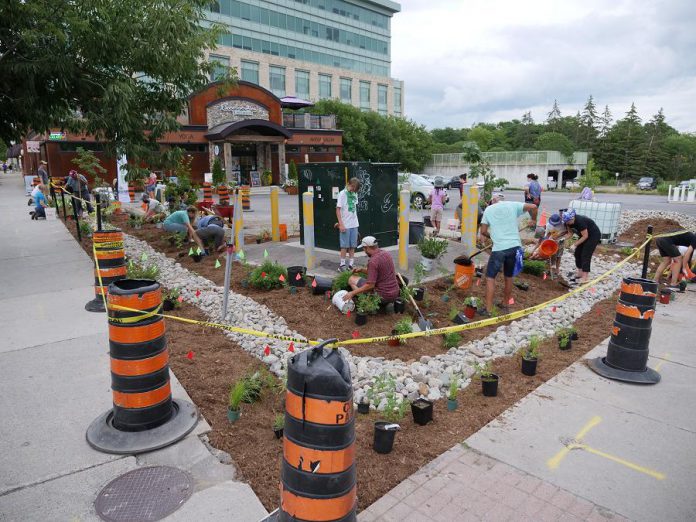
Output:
(262, 127)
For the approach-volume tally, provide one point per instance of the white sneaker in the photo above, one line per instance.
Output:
(342, 268)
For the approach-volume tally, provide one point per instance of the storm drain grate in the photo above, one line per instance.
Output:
(144, 495)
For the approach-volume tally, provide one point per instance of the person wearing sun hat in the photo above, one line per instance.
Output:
(381, 274)
(589, 236)
(556, 230)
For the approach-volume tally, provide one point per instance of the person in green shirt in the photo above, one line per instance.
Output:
(179, 222)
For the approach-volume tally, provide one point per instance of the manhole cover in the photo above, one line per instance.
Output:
(144, 495)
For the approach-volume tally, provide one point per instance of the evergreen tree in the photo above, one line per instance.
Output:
(554, 117)
(605, 122)
(627, 139)
(589, 122)
(656, 156)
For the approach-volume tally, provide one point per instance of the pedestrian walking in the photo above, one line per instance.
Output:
(347, 214)
(589, 237)
(43, 172)
(532, 190)
(437, 198)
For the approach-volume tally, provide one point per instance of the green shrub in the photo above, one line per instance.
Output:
(267, 276)
(236, 395)
(432, 248)
(368, 303)
(218, 173)
(536, 268)
(385, 385)
(403, 327)
(255, 383)
(137, 271)
(452, 340)
(340, 282)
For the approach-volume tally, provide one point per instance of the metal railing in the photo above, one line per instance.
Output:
(535, 157)
(310, 121)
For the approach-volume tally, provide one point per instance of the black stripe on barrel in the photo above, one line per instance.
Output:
(318, 479)
(139, 356)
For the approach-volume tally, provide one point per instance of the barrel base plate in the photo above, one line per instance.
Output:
(95, 305)
(647, 376)
(102, 435)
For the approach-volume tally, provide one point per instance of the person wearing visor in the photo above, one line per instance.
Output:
(589, 237)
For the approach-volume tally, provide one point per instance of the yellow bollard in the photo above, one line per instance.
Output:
(404, 218)
(308, 213)
(238, 222)
(275, 222)
(469, 217)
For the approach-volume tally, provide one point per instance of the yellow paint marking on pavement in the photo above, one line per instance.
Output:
(556, 460)
(667, 357)
(635, 467)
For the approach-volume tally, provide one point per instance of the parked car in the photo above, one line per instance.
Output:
(453, 183)
(420, 189)
(551, 184)
(647, 183)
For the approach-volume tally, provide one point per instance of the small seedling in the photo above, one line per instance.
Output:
(484, 371)
(563, 335)
(532, 351)
(471, 301)
(453, 387)
(278, 421)
(402, 327)
(236, 395)
(452, 340)
(385, 385)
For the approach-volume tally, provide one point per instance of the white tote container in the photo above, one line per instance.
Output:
(50, 213)
(343, 306)
(426, 263)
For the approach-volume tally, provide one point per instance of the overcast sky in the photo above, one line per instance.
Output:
(486, 61)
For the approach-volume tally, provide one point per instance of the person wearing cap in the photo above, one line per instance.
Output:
(556, 230)
(179, 222)
(381, 274)
(437, 199)
(347, 214)
(155, 209)
(500, 224)
(670, 250)
(78, 186)
(589, 237)
(43, 173)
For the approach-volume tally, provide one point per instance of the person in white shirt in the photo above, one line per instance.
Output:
(155, 209)
(347, 214)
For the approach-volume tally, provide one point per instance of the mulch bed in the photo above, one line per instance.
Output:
(217, 362)
(637, 231)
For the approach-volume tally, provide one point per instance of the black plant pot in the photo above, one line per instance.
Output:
(418, 294)
(293, 272)
(364, 408)
(278, 432)
(384, 439)
(360, 319)
(197, 258)
(567, 346)
(529, 366)
(258, 240)
(399, 306)
(490, 386)
(574, 336)
(422, 410)
(168, 305)
(460, 318)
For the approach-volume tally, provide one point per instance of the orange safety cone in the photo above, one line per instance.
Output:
(542, 219)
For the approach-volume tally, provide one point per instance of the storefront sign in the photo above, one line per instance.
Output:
(33, 146)
(56, 136)
(231, 111)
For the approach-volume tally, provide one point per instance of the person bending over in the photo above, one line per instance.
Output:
(212, 228)
(500, 224)
(556, 230)
(155, 209)
(672, 257)
(179, 222)
(381, 274)
(40, 203)
(589, 237)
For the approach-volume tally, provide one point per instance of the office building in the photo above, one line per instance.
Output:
(313, 49)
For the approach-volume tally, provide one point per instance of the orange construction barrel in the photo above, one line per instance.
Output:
(283, 231)
(224, 194)
(109, 265)
(207, 192)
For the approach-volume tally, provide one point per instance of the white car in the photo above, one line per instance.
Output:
(420, 189)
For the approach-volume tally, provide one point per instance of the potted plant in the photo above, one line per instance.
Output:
(522, 285)
(364, 406)
(573, 333)
(237, 394)
(452, 392)
(489, 380)
(394, 410)
(170, 301)
(399, 305)
(417, 291)
(366, 304)
(470, 307)
(291, 183)
(402, 327)
(431, 248)
(278, 425)
(530, 356)
(422, 411)
(564, 338)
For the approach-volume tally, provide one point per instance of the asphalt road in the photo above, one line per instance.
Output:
(551, 201)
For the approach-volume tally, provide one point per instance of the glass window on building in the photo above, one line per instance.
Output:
(382, 100)
(365, 95)
(346, 90)
(302, 84)
(250, 72)
(397, 101)
(221, 66)
(277, 80)
(325, 86)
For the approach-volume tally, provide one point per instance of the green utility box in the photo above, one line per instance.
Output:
(378, 200)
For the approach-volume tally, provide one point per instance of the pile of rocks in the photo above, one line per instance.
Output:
(429, 377)
(628, 217)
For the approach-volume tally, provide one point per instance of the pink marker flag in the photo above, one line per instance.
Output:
(356, 334)
(511, 301)
(181, 299)
(281, 278)
(291, 348)
(263, 275)
(267, 351)
(198, 293)
(553, 309)
(348, 313)
(314, 283)
(189, 356)
(298, 277)
(545, 276)
(478, 282)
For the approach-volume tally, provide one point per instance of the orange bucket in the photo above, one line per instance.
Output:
(464, 275)
(548, 247)
(283, 231)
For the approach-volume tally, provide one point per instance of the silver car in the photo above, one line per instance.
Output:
(420, 189)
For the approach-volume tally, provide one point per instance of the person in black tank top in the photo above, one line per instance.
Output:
(589, 235)
(671, 256)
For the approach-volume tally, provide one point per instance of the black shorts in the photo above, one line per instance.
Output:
(666, 247)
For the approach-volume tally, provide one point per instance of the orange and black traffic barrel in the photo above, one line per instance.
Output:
(109, 265)
(246, 197)
(131, 192)
(318, 478)
(143, 416)
(224, 194)
(628, 350)
(207, 192)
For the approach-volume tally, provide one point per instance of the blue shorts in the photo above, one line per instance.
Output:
(349, 238)
(502, 259)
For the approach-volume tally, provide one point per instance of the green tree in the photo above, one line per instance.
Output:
(626, 142)
(482, 136)
(555, 141)
(88, 163)
(681, 149)
(479, 167)
(588, 123)
(448, 135)
(656, 156)
(218, 172)
(553, 118)
(119, 70)
(3, 150)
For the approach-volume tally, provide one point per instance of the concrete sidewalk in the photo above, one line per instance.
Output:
(580, 447)
(55, 380)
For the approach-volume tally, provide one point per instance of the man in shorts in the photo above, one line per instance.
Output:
(347, 214)
(672, 257)
(381, 274)
(500, 224)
